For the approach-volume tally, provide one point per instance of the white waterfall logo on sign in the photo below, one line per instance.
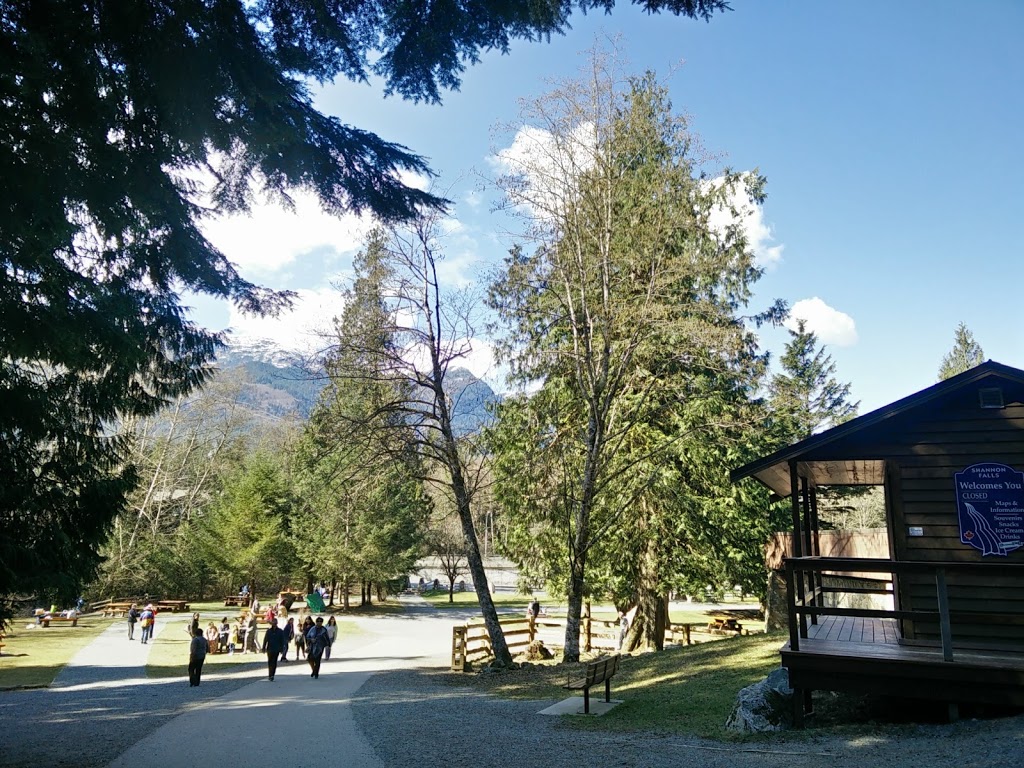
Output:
(990, 506)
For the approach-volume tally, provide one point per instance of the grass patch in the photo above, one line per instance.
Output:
(33, 657)
(686, 691)
(168, 655)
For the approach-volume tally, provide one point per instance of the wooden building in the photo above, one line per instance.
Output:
(951, 461)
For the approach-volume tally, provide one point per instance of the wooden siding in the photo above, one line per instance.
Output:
(922, 457)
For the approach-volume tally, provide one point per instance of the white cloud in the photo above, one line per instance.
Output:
(830, 325)
(270, 238)
(541, 169)
(302, 329)
(751, 218)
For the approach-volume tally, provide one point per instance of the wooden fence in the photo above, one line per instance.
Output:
(471, 642)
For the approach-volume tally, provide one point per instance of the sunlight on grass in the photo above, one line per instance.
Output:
(33, 657)
(687, 690)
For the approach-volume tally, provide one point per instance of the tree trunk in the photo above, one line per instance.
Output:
(502, 655)
(451, 591)
(647, 630)
(571, 650)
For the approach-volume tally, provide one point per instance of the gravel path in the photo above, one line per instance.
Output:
(377, 705)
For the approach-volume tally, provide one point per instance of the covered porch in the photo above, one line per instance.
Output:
(945, 618)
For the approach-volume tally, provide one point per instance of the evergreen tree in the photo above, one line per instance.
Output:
(965, 354)
(806, 398)
(626, 306)
(112, 110)
(244, 534)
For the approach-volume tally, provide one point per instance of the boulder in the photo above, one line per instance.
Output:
(764, 706)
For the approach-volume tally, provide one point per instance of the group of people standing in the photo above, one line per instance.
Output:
(312, 640)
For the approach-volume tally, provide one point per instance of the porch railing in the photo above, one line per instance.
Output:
(806, 591)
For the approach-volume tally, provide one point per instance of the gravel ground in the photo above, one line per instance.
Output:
(409, 718)
(94, 712)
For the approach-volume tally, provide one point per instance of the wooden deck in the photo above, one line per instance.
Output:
(865, 655)
(854, 629)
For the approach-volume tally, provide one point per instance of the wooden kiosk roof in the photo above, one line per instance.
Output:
(849, 455)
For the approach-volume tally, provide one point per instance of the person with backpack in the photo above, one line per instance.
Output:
(133, 617)
(317, 641)
(147, 617)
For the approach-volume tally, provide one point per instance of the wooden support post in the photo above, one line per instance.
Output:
(945, 628)
(794, 489)
(458, 649)
(794, 634)
(586, 627)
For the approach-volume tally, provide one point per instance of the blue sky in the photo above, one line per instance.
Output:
(890, 135)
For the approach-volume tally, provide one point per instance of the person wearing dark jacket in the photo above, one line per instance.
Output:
(317, 641)
(273, 644)
(133, 616)
(289, 635)
(196, 656)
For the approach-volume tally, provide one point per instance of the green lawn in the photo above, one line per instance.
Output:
(686, 691)
(33, 657)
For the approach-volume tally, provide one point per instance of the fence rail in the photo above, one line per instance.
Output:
(471, 642)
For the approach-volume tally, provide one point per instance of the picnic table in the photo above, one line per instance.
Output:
(725, 625)
(171, 605)
(117, 609)
(238, 600)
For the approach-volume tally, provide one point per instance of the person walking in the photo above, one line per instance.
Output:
(316, 642)
(332, 633)
(196, 657)
(133, 616)
(289, 636)
(273, 642)
(301, 645)
(146, 619)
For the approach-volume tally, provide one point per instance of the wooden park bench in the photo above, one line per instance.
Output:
(600, 671)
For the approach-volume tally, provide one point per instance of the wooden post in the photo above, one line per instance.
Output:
(458, 649)
(532, 624)
(586, 627)
(945, 628)
(794, 634)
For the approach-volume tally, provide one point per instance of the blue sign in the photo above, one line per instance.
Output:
(990, 505)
